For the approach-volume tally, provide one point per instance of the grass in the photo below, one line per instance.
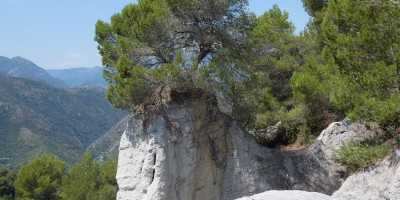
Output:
(356, 155)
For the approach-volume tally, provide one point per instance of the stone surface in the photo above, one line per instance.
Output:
(188, 149)
(339, 133)
(287, 195)
(271, 136)
(376, 182)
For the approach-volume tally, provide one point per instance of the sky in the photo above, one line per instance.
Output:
(58, 34)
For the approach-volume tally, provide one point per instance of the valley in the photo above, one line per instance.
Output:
(38, 118)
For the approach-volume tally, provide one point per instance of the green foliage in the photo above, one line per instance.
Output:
(350, 63)
(292, 75)
(262, 97)
(355, 155)
(137, 85)
(40, 178)
(182, 44)
(314, 6)
(363, 40)
(89, 179)
(7, 179)
(44, 178)
(343, 63)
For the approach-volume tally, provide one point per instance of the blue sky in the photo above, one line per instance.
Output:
(59, 33)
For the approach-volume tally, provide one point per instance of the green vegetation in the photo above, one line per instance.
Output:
(7, 178)
(40, 178)
(345, 63)
(355, 155)
(36, 118)
(89, 179)
(196, 45)
(45, 177)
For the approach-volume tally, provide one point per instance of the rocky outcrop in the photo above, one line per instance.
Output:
(378, 181)
(187, 149)
(271, 136)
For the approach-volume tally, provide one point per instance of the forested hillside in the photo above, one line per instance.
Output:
(36, 118)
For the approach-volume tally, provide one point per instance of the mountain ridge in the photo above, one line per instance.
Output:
(21, 67)
(80, 76)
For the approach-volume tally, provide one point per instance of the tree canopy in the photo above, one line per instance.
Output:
(177, 43)
(7, 178)
(362, 39)
(312, 7)
(89, 179)
(40, 178)
(355, 68)
(344, 63)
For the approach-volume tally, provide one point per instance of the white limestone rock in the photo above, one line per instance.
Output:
(339, 133)
(188, 149)
(287, 195)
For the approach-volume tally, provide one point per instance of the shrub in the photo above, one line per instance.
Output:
(355, 155)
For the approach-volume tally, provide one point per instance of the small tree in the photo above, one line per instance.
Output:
(40, 178)
(89, 179)
(362, 38)
(185, 44)
(7, 179)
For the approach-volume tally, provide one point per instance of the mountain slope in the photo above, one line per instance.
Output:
(21, 67)
(79, 76)
(108, 144)
(35, 118)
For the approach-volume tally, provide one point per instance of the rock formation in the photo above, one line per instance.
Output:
(186, 148)
(376, 182)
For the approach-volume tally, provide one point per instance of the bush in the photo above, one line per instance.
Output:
(40, 178)
(89, 179)
(7, 178)
(355, 155)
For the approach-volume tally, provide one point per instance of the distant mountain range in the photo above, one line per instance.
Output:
(21, 67)
(61, 78)
(39, 114)
(75, 77)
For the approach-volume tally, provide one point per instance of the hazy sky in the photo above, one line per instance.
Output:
(59, 33)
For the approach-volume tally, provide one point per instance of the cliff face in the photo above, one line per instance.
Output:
(188, 149)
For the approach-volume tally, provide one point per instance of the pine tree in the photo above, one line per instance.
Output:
(88, 179)
(40, 178)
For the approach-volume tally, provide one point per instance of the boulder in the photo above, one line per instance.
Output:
(271, 136)
(287, 195)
